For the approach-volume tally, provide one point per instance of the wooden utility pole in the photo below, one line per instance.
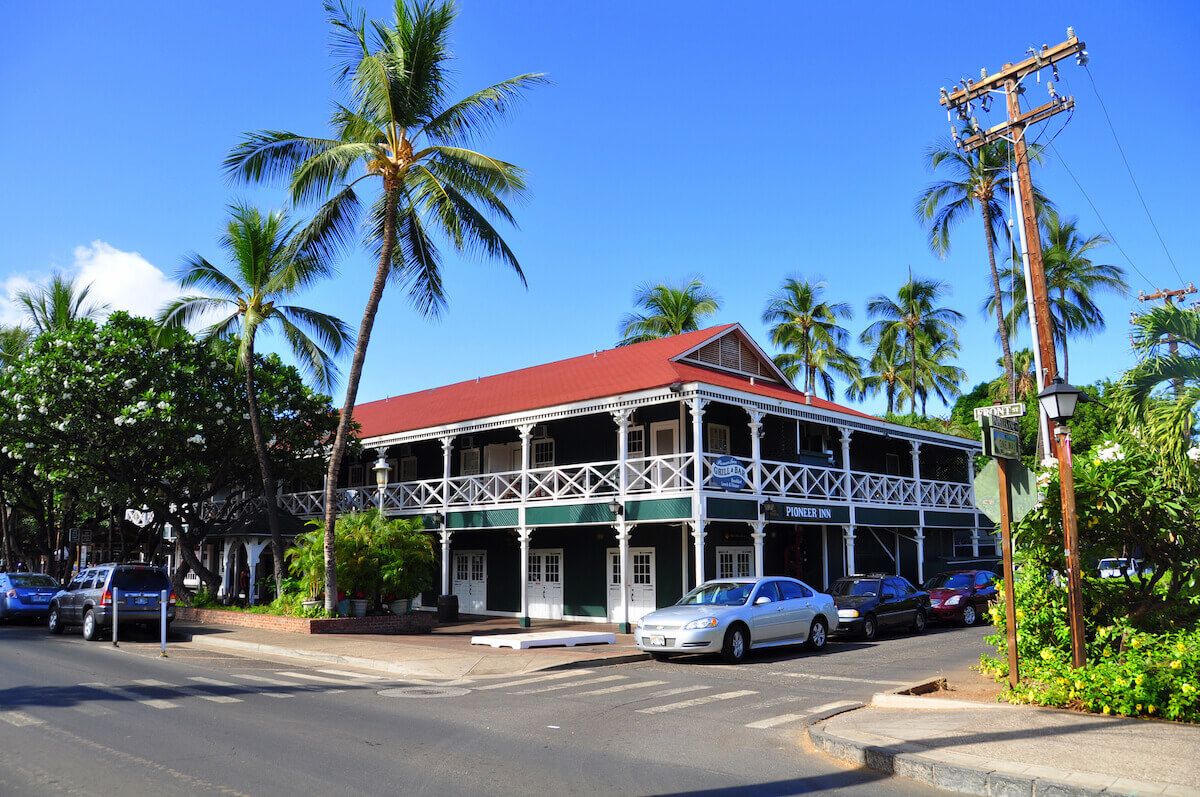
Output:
(1010, 597)
(1168, 298)
(963, 100)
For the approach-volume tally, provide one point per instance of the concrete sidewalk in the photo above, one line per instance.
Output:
(445, 655)
(1000, 749)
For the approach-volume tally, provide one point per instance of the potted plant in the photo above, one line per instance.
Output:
(306, 561)
(406, 561)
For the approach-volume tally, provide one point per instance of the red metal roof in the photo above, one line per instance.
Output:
(611, 372)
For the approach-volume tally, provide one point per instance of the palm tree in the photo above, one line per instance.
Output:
(667, 309)
(267, 269)
(979, 181)
(13, 341)
(1170, 417)
(1023, 368)
(912, 322)
(1072, 280)
(58, 304)
(885, 373)
(935, 372)
(815, 345)
(399, 133)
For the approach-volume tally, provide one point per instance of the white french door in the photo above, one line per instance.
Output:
(470, 581)
(735, 561)
(664, 442)
(545, 585)
(642, 596)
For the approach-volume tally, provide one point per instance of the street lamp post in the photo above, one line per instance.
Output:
(381, 478)
(1058, 401)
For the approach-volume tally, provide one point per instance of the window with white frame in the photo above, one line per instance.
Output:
(636, 441)
(891, 464)
(468, 461)
(542, 453)
(718, 438)
(735, 562)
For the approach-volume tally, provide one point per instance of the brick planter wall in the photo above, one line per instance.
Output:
(411, 623)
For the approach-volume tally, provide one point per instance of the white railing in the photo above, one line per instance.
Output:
(644, 475)
(878, 488)
(659, 474)
(951, 495)
(792, 480)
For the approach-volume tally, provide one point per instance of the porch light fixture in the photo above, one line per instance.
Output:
(1059, 400)
(381, 473)
(676, 387)
(438, 518)
(767, 508)
(616, 507)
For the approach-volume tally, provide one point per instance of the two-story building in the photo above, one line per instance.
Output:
(601, 487)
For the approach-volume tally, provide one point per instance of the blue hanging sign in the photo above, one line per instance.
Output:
(729, 473)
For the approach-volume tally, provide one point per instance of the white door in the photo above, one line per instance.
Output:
(642, 596)
(664, 442)
(735, 561)
(470, 581)
(544, 588)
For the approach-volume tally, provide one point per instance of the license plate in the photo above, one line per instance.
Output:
(139, 601)
(657, 641)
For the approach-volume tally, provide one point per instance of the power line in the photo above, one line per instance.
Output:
(1129, 169)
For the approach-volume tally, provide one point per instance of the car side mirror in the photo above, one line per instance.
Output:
(761, 599)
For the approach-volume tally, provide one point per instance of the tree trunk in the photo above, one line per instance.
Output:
(6, 551)
(912, 388)
(1066, 360)
(391, 197)
(998, 297)
(264, 469)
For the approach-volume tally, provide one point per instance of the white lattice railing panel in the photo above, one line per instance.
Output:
(408, 496)
(878, 488)
(951, 495)
(592, 480)
(793, 480)
(484, 488)
(659, 474)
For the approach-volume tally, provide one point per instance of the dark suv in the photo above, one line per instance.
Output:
(868, 603)
(88, 600)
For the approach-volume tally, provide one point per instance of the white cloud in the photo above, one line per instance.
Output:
(122, 280)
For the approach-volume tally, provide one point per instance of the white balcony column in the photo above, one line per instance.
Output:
(622, 419)
(758, 534)
(920, 556)
(525, 430)
(696, 408)
(756, 427)
(916, 469)
(447, 452)
(226, 578)
(846, 433)
(523, 535)
(975, 525)
(698, 535)
(623, 556)
(253, 553)
(444, 536)
(848, 541)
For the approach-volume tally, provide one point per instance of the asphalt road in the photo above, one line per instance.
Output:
(85, 718)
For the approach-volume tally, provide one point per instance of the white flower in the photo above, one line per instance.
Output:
(141, 405)
(1050, 462)
(29, 445)
(197, 439)
(1110, 453)
(129, 382)
(1043, 478)
(1194, 453)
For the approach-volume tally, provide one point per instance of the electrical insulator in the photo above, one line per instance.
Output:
(1082, 58)
(1070, 32)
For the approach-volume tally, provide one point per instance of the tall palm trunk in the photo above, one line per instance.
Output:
(391, 197)
(912, 386)
(998, 295)
(264, 469)
(891, 396)
(6, 551)
(1066, 360)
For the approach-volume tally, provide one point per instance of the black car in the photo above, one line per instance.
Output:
(88, 601)
(868, 603)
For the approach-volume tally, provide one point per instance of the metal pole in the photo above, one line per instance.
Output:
(1066, 483)
(162, 605)
(116, 595)
(1010, 599)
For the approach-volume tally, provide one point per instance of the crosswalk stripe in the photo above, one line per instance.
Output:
(812, 677)
(679, 690)
(771, 722)
(697, 701)
(831, 706)
(262, 679)
(215, 682)
(310, 677)
(771, 703)
(92, 711)
(131, 695)
(187, 690)
(571, 685)
(19, 718)
(556, 676)
(355, 675)
(621, 688)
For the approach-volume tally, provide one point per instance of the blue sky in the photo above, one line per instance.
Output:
(739, 143)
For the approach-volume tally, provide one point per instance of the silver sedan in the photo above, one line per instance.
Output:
(731, 616)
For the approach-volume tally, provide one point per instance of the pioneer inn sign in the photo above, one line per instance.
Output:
(601, 487)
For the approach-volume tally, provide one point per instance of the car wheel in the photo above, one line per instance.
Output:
(54, 622)
(661, 656)
(818, 635)
(737, 642)
(969, 616)
(919, 622)
(870, 627)
(91, 628)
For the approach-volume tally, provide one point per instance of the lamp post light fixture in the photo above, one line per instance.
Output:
(766, 509)
(381, 469)
(438, 519)
(1059, 401)
(616, 507)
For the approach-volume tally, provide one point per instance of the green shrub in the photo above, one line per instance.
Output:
(203, 599)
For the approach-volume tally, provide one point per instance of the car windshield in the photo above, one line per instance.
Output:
(852, 587)
(1113, 564)
(140, 580)
(31, 580)
(720, 594)
(950, 581)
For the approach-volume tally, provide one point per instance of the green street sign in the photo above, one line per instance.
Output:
(1021, 481)
(1000, 438)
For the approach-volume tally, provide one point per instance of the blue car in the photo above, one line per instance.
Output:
(26, 595)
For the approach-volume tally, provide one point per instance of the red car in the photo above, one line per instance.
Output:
(961, 596)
